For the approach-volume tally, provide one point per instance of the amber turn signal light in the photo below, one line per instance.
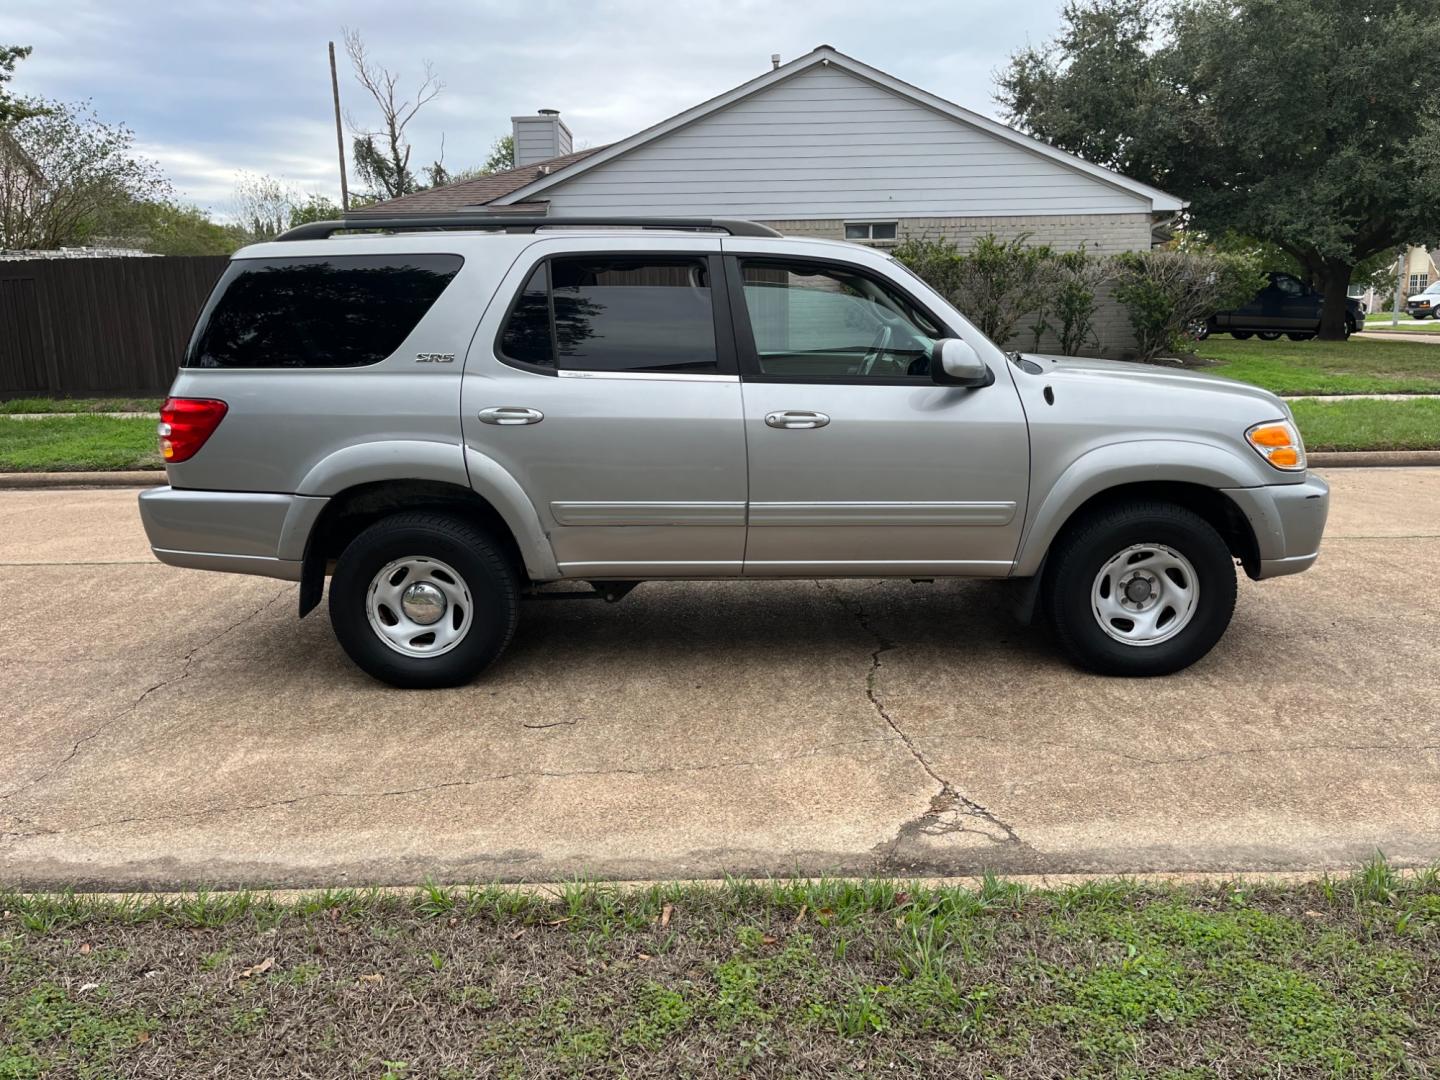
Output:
(1278, 442)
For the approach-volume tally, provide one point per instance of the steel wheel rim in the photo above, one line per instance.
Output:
(1168, 607)
(401, 597)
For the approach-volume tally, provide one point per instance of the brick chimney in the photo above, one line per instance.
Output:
(540, 137)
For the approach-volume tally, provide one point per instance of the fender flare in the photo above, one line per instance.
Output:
(1117, 464)
(449, 463)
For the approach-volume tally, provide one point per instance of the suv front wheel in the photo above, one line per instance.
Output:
(1142, 589)
(422, 600)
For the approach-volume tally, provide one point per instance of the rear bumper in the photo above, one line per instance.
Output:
(1288, 521)
(242, 532)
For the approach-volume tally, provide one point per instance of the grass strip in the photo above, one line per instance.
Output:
(79, 405)
(1369, 425)
(77, 443)
(805, 979)
(1356, 366)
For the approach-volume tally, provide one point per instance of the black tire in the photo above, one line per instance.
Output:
(1349, 326)
(1078, 558)
(1269, 335)
(1240, 335)
(478, 561)
(1300, 337)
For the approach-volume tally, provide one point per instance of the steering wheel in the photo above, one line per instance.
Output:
(877, 348)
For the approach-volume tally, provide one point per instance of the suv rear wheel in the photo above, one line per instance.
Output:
(422, 600)
(1143, 589)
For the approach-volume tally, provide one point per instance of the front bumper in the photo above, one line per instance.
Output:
(243, 532)
(1418, 309)
(1288, 521)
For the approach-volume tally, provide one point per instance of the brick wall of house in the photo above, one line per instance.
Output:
(1101, 234)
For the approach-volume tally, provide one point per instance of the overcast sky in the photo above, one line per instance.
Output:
(211, 88)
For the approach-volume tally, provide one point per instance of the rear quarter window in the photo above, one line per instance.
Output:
(308, 312)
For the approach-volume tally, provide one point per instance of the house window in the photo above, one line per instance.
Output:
(871, 231)
(1418, 282)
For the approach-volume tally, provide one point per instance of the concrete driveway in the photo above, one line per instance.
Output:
(161, 727)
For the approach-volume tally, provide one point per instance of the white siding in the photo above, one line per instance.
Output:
(826, 144)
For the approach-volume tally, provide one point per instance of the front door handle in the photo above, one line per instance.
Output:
(796, 419)
(510, 415)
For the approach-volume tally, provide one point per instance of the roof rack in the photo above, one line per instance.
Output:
(516, 223)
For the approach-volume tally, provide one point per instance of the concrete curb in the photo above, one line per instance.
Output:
(136, 479)
(1370, 459)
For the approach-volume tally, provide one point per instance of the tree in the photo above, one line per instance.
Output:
(65, 174)
(11, 107)
(502, 156)
(165, 227)
(1306, 124)
(382, 157)
(315, 208)
(262, 207)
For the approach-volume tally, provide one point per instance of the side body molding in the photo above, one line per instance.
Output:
(1115, 464)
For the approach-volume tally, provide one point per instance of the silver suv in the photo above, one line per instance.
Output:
(446, 413)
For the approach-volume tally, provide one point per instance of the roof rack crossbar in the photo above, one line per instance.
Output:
(320, 230)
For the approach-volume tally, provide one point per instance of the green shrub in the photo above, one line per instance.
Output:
(1166, 293)
(1079, 277)
(995, 284)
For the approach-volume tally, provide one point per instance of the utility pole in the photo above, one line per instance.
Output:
(339, 136)
(1400, 266)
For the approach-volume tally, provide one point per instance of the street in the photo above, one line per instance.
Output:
(163, 727)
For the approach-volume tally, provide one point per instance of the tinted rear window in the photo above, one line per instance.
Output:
(341, 311)
(615, 314)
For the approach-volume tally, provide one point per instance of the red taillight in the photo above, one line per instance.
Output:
(185, 424)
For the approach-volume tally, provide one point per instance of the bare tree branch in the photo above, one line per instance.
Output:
(383, 156)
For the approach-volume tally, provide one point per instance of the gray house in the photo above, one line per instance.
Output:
(826, 146)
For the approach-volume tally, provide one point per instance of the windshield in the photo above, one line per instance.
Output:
(1433, 289)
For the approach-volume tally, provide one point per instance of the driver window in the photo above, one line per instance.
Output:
(1289, 286)
(820, 321)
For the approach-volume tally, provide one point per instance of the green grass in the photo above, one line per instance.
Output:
(1328, 367)
(1369, 425)
(1413, 326)
(77, 443)
(1336, 978)
(79, 405)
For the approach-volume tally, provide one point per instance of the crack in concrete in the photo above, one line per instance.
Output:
(550, 724)
(1347, 748)
(950, 811)
(125, 711)
(527, 774)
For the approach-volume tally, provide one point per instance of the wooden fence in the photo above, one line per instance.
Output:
(98, 327)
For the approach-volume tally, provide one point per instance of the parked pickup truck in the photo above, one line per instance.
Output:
(1285, 306)
(442, 415)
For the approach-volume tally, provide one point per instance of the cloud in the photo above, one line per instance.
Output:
(213, 88)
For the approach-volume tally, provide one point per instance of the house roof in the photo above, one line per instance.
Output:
(825, 55)
(477, 192)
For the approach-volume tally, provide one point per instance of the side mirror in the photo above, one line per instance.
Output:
(955, 363)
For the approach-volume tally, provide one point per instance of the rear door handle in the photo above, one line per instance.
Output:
(796, 419)
(510, 415)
